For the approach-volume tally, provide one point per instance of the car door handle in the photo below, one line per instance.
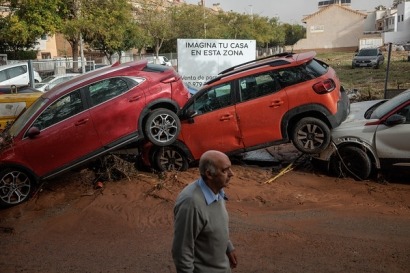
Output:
(276, 103)
(226, 117)
(81, 122)
(135, 98)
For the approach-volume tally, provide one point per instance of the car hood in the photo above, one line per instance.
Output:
(356, 116)
(358, 109)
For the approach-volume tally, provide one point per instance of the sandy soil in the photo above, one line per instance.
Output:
(303, 221)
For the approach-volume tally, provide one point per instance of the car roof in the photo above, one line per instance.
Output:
(103, 73)
(12, 65)
(280, 59)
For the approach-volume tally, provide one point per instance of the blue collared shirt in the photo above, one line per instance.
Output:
(210, 196)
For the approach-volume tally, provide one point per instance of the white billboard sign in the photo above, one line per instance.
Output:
(200, 60)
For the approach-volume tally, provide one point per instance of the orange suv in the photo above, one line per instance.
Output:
(277, 99)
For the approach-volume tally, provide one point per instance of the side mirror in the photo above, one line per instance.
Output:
(395, 120)
(190, 113)
(33, 132)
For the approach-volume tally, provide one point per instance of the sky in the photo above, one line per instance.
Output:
(288, 11)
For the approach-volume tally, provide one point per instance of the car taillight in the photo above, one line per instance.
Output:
(324, 87)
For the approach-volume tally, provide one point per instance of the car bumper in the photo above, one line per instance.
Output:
(343, 109)
(368, 64)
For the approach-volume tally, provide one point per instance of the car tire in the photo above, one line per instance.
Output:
(310, 135)
(16, 187)
(170, 158)
(162, 127)
(350, 161)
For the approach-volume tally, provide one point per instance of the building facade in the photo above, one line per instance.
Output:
(332, 26)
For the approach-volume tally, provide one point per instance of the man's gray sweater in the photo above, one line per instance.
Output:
(201, 233)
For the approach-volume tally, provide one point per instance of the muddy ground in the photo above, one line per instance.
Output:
(302, 221)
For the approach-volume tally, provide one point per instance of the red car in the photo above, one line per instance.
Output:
(86, 117)
(281, 98)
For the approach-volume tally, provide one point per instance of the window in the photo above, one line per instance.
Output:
(405, 112)
(17, 71)
(213, 99)
(61, 109)
(107, 89)
(258, 85)
(3, 75)
(295, 75)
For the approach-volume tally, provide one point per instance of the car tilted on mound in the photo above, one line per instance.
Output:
(375, 136)
(277, 99)
(87, 117)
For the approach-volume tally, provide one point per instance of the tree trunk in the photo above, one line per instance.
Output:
(74, 46)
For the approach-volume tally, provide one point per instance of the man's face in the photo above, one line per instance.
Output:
(223, 174)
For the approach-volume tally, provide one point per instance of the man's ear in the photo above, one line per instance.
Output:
(208, 175)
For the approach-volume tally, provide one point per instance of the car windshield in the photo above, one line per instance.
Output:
(22, 120)
(367, 52)
(48, 79)
(386, 107)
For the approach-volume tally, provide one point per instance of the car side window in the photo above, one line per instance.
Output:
(293, 75)
(256, 86)
(17, 71)
(67, 106)
(106, 90)
(3, 75)
(405, 112)
(213, 99)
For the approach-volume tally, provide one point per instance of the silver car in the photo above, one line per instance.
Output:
(368, 57)
(52, 81)
(375, 135)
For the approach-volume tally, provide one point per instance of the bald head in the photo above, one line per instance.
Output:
(210, 160)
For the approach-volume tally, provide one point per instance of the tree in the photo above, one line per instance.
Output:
(157, 22)
(26, 22)
(293, 33)
(188, 21)
(110, 26)
(70, 14)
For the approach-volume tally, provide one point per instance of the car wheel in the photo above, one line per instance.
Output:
(311, 135)
(351, 161)
(162, 127)
(170, 158)
(16, 186)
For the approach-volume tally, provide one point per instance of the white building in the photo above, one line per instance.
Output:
(397, 28)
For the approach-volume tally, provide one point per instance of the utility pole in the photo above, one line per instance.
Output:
(203, 7)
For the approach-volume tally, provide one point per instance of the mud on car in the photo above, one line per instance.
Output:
(282, 98)
(86, 117)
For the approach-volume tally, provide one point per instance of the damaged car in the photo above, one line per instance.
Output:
(375, 136)
(282, 98)
(85, 118)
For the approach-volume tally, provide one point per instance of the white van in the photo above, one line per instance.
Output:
(16, 74)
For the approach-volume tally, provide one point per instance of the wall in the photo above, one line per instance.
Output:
(332, 27)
